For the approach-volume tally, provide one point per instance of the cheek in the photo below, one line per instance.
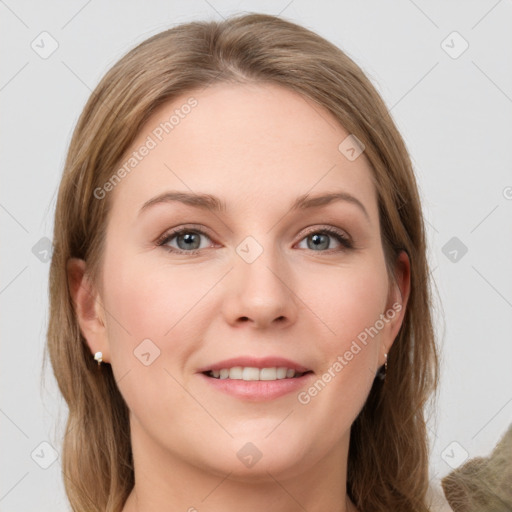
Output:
(152, 330)
(159, 316)
(347, 300)
(154, 300)
(350, 310)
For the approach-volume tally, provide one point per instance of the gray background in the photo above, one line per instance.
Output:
(453, 109)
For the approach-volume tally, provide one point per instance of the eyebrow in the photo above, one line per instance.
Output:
(212, 203)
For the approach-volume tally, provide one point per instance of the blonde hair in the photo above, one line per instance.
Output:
(388, 455)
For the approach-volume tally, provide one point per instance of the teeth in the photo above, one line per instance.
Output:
(250, 373)
(268, 374)
(281, 373)
(236, 372)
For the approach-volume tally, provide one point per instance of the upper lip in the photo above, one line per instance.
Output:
(255, 362)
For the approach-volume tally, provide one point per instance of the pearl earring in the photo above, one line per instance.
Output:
(98, 357)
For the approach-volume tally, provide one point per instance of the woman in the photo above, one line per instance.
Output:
(240, 305)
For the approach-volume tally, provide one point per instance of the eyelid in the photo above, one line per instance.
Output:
(327, 229)
(177, 229)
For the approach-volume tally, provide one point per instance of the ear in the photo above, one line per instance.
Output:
(398, 297)
(88, 308)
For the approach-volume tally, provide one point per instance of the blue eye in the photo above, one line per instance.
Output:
(320, 239)
(188, 240)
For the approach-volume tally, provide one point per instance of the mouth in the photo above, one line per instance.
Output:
(251, 373)
(256, 379)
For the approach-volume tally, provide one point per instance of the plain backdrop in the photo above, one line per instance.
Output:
(445, 71)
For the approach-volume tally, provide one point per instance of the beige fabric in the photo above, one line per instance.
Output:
(482, 484)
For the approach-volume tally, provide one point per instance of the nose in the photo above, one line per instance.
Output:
(260, 293)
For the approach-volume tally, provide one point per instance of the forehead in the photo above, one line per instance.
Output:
(241, 141)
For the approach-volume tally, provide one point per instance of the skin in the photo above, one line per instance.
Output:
(257, 147)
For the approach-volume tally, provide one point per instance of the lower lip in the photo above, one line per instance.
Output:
(258, 390)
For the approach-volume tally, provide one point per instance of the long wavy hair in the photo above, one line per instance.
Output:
(388, 454)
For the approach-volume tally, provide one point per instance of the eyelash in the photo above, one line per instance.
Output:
(166, 237)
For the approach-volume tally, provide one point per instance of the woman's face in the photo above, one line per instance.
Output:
(263, 281)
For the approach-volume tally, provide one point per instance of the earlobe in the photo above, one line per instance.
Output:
(88, 308)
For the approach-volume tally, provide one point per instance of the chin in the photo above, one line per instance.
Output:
(252, 461)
